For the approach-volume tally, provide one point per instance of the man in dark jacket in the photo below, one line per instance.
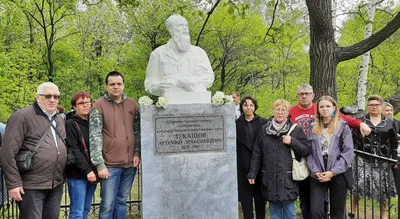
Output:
(39, 190)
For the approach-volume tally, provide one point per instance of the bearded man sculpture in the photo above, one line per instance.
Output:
(178, 66)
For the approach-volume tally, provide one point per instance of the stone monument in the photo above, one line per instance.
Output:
(178, 70)
(189, 148)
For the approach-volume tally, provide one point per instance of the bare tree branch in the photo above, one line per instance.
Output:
(273, 19)
(205, 22)
(350, 52)
(86, 2)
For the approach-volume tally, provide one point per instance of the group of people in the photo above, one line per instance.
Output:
(103, 138)
(324, 137)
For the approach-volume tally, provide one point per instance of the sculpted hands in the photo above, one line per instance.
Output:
(167, 83)
(16, 193)
(187, 82)
(103, 174)
(91, 177)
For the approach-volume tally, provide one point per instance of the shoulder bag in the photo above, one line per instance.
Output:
(300, 170)
(25, 158)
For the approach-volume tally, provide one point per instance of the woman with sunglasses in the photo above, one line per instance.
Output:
(81, 177)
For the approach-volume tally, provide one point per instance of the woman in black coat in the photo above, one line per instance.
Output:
(247, 127)
(272, 153)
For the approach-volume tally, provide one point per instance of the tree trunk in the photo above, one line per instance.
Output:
(325, 54)
(322, 48)
(395, 101)
(363, 75)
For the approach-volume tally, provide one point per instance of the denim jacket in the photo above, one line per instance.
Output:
(341, 153)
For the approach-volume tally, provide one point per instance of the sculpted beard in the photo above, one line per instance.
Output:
(182, 40)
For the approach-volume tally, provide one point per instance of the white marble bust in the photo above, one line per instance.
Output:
(178, 66)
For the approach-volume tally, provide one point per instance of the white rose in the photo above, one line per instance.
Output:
(162, 102)
(145, 100)
(228, 99)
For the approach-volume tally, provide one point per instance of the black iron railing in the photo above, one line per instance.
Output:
(9, 208)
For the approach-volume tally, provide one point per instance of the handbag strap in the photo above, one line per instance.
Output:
(83, 142)
(55, 129)
(40, 142)
(290, 131)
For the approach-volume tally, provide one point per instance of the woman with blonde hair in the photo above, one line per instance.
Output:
(331, 155)
(272, 154)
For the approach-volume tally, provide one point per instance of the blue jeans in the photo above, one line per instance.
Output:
(80, 193)
(115, 191)
(282, 210)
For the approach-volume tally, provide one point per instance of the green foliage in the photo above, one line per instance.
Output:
(383, 76)
(119, 35)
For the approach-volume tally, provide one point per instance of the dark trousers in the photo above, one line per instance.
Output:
(259, 203)
(337, 197)
(304, 197)
(247, 207)
(41, 204)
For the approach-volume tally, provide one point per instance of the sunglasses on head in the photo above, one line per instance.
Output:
(49, 96)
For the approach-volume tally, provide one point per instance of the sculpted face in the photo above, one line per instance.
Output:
(48, 100)
(181, 34)
(115, 87)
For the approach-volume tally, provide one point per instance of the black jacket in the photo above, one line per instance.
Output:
(276, 160)
(396, 124)
(246, 133)
(74, 136)
(382, 140)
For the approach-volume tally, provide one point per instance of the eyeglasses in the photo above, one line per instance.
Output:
(374, 105)
(49, 96)
(304, 94)
(84, 103)
(280, 110)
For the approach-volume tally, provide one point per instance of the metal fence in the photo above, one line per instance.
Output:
(9, 208)
(376, 180)
(373, 195)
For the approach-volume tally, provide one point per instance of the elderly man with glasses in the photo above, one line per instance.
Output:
(38, 191)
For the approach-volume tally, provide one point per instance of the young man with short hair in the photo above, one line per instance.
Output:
(114, 136)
